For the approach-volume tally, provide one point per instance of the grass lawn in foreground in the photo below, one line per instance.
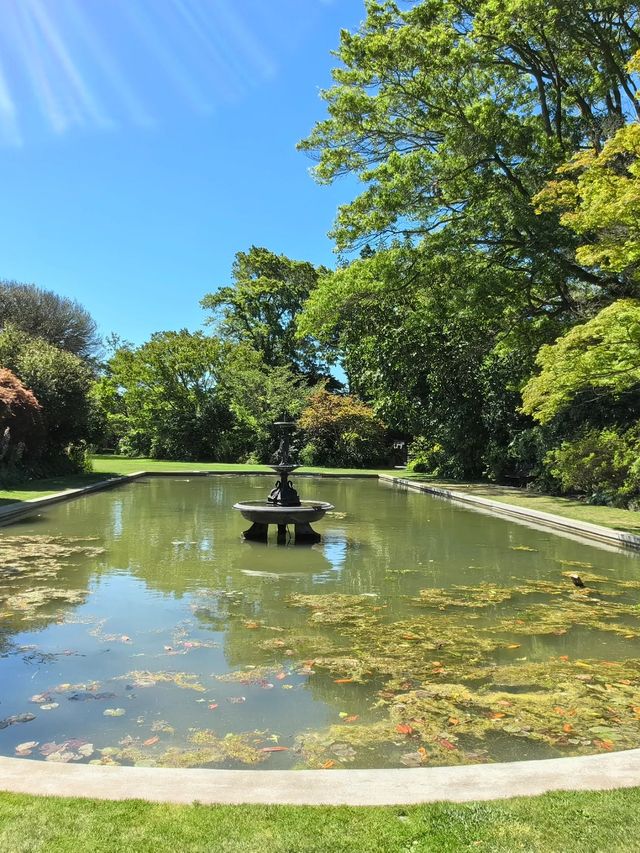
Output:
(582, 822)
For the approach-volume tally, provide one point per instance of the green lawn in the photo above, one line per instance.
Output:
(562, 822)
(124, 465)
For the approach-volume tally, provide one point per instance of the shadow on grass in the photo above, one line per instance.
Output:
(39, 488)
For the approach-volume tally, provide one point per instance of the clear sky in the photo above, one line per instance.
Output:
(144, 142)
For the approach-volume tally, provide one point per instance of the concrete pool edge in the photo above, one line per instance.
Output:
(20, 509)
(459, 784)
(322, 787)
(556, 522)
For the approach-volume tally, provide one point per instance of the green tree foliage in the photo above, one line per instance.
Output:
(21, 428)
(598, 197)
(42, 314)
(454, 116)
(160, 399)
(59, 380)
(341, 430)
(185, 395)
(260, 309)
(603, 464)
(599, 358)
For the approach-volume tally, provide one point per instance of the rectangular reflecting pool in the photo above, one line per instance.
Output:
(138, 628)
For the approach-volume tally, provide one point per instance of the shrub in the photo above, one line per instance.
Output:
(60, 382)
(21, 429)
(601, 464)
(341, 431)
(426, 457)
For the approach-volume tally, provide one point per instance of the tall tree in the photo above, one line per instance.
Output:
(60, 321)
(260, 308)
(454, 114)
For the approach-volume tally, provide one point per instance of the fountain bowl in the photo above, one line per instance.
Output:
(263, 512)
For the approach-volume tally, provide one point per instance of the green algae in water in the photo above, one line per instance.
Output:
(394, 643)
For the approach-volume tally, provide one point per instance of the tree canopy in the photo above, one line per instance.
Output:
(601, 357)
(261, 306)
(43, 314)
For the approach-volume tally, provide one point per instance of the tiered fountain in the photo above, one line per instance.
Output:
(283, 506)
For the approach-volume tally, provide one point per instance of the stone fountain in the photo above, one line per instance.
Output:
(283, 506)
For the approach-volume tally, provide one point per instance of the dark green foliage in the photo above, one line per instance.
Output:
(190, 396)
(261, 308)
(455, 117)
(60, 321)
(60, 382)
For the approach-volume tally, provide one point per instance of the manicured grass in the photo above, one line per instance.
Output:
(618, 519)
(559, 822)
(40, 488)
(124, 465)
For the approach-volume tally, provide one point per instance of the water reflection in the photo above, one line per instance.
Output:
(178, 590)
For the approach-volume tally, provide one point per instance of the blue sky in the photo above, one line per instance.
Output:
(144, 142)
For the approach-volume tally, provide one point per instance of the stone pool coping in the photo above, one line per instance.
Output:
(324, 787)
(558, 522)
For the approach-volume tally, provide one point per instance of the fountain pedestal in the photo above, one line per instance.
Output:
(283, 507)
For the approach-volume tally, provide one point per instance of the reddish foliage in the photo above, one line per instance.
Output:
(20, 413)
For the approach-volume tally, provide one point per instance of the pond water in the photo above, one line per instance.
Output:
(136, 627)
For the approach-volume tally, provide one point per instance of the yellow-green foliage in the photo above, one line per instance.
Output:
(598, 197)
(602, 354)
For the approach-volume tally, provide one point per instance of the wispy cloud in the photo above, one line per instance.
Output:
(94, 65)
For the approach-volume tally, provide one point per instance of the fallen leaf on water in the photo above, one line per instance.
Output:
(213, 706)
(150, 741)
(513, 646)
(26, 748)
(343, 680)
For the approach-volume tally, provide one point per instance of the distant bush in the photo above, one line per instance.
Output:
(425, 457)
(21, 428)
(603, 465)
(60, 382)
(341, 431)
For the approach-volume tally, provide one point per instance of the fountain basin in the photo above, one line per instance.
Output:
(262, 512)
